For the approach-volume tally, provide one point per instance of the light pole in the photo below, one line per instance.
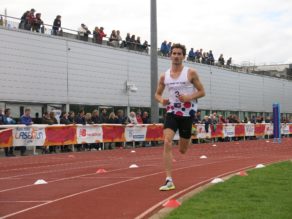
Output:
(153, 63)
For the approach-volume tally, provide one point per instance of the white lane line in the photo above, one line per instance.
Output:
(96, 188)
(23, 201)
(57, 180)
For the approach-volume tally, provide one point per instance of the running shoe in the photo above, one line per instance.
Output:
(167, 186)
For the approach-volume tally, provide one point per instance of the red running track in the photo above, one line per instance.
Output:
(75, 190)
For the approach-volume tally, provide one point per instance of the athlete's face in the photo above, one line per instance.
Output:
(177, 56)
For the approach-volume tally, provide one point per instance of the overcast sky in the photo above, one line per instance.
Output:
(255, 31)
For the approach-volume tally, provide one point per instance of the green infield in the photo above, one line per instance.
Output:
(265, 193)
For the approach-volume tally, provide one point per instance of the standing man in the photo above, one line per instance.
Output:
(26, 120)
(184, 88)
(8, 120)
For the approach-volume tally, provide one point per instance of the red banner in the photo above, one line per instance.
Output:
(60, 135)
(6, 138)
(217, 131)
(154, 133)
(259, 129)
(239, 130)
(113, 133)
(290, 128)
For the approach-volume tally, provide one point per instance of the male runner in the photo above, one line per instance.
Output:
(184, 88)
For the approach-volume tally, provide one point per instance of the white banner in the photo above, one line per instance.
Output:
(249, 129)
(89, 134)
(201, 132)
(284, 129)
(269, 129)
(29, 136)
(228, 130)
(135, 133)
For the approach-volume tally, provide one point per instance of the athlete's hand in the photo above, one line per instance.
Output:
(165, 102)
(184, 98)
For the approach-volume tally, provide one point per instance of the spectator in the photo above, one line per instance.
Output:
(23, 20)
(207, 123)
(1, 117)
(164, 48)
(197, 117)
(64, 119)
(199, 55)
(80, 119)
(138, 44)
(119, 38)
(112, 119)
(30, 19)
(168, 48)
(1, 21)
(37, 119)
(53, 117)
(83, 32)
(113, 40)
(95, 117)
(211, 59)
(133, 118)
(38, 24)
(26, 120)
(229, 61)
(145, 46)
(95, 34)
(204, 58)
(192, 55)
(221, 120)
(100, 35)
(128, 41)
(122, 119)
(145, 118)
(47, 119)
(221, 60)
(88, 119)
(8, 120)
(132, 44)
(57, 26)
(139, 117)
(71, 117)
(103, 117)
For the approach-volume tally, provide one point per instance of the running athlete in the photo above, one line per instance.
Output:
(184, 88)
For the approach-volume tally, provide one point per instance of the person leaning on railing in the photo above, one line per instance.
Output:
(57, 26)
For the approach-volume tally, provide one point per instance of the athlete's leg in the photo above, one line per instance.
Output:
(167, 153)
(184, 144)
(185, 133)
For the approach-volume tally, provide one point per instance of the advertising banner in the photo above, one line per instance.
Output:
(29, 136)
(89, 134)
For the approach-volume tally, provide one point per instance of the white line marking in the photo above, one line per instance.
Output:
(93, 189)
(22, 201)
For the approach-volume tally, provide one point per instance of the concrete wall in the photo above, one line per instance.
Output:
(38, 68)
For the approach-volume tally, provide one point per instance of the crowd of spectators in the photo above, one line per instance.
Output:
(207, 58)
(118, 117)
(32, 22)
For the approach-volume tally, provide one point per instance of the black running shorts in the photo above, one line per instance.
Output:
(181, 123)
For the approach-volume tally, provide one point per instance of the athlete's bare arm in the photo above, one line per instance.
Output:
(159, 91)
(194, 79)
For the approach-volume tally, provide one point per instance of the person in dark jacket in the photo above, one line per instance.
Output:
(57, 26)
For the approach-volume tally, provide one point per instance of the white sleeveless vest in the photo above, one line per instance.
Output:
(176, 87)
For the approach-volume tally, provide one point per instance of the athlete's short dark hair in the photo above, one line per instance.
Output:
(179, 46)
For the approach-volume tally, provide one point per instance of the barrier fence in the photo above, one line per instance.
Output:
(50, 135)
